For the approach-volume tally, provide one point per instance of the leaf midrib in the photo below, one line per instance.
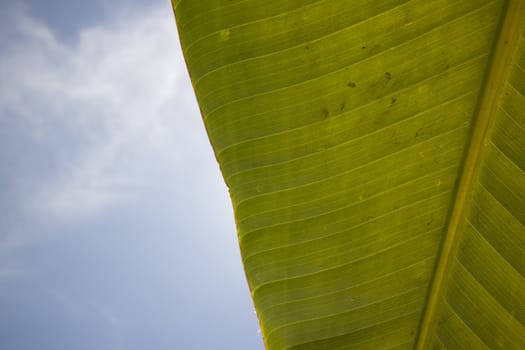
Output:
(498, 72)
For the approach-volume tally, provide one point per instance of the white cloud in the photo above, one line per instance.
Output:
(115, 105)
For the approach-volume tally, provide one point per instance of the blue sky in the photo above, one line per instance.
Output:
(116, 230)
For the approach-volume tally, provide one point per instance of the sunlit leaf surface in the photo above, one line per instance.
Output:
(375, 157)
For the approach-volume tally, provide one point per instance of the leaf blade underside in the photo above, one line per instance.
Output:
(341, 129)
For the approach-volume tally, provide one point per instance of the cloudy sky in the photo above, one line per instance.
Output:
(116, 230)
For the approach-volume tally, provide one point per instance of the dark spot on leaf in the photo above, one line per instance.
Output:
(388, 76)
(363, 47)
(393, 101)
(325, 113)
(307, 47)
(342, 107)
(351, 84)
(419, 132)
(429, 222)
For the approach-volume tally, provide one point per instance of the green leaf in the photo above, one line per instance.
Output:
(375, 156)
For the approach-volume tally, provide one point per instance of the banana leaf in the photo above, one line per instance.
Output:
(374, 153)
